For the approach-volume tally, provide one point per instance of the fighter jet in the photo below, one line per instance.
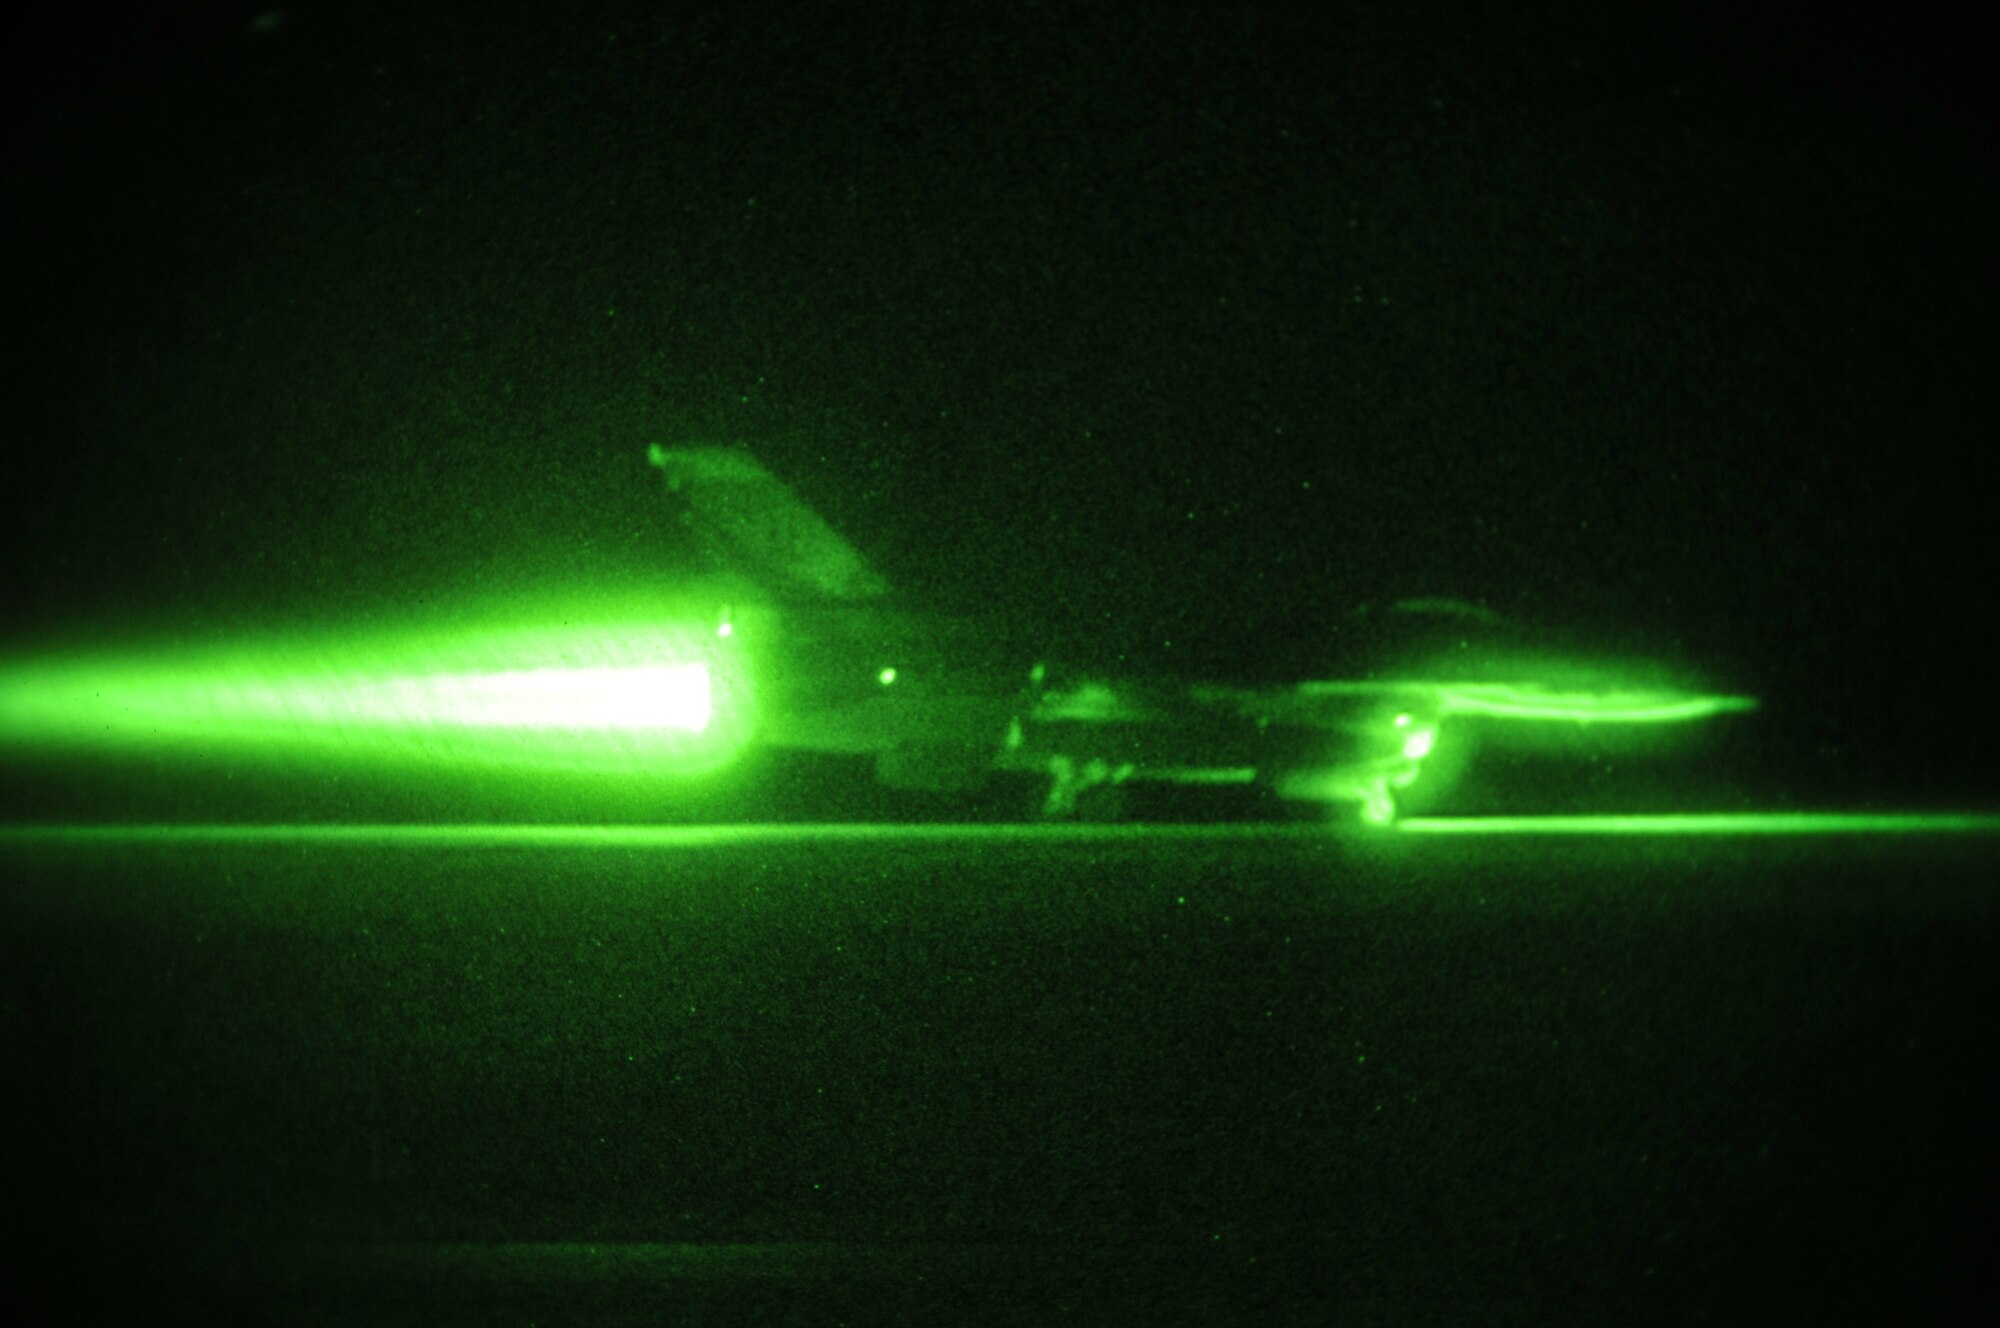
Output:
(948, 702)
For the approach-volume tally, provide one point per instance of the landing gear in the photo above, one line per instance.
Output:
(1371, 793)
(1378, 804)
(1087, 791)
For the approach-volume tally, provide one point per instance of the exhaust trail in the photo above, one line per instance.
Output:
(611, 689)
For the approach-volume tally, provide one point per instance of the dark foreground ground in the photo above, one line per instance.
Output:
(1243, 1075)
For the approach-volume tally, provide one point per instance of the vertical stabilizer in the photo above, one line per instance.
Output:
(753, 523)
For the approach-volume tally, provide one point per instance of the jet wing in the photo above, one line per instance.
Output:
(1362, 741)
(1334, 703)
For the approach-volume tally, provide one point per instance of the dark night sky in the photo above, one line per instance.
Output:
(1194, 326)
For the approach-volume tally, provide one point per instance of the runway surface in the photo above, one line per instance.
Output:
(1053, 834)
(826, 1074)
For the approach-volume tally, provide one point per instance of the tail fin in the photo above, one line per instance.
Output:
(755, 524)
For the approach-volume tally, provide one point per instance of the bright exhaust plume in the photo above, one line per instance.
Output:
(612, 692)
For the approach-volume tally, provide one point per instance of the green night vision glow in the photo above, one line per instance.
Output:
(608, 691)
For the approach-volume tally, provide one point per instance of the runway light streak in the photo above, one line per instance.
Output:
(1710, 823)
(670, 837)
(681, 837)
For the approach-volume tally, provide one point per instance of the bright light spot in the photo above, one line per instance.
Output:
(886, 676)
(1419, 744)
(662, 696)
(725, 630)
